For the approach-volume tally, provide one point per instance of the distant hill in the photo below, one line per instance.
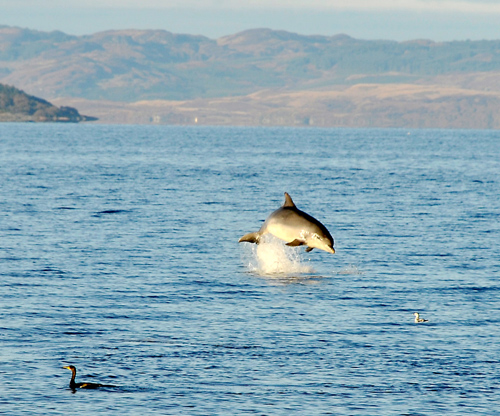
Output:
(16, 105)
(131, 65)
(143, 65)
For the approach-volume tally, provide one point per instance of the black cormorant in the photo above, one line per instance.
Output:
(74, 385)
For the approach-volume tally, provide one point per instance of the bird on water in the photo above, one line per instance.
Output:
(418, 319)
(74, 385)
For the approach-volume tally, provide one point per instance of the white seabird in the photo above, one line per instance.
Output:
(418, 319)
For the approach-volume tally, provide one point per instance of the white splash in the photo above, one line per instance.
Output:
(273, 257)
(351, 269)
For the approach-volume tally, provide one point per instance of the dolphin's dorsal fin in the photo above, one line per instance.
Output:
(288, 201)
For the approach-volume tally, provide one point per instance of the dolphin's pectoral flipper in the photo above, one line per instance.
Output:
(308, 249)
(295, 243)
(250, 238)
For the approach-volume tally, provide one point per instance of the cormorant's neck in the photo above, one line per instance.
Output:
(72, 383)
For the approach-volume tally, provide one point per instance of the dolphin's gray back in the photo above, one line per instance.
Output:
(295, 219)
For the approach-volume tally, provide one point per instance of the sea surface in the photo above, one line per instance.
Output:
(119, 254)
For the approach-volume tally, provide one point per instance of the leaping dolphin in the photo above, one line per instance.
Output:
(294, 226)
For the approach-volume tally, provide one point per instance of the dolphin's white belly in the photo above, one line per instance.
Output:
(284, 232)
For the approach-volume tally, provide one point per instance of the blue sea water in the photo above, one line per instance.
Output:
(119, 254)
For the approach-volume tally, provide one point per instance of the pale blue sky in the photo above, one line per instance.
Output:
(367, 19)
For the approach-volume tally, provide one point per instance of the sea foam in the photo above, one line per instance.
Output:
(273, 257)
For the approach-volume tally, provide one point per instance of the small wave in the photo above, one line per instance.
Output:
(110, 211)
(273, 257)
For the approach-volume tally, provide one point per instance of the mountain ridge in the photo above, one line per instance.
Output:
(131, 65)
(127, 66)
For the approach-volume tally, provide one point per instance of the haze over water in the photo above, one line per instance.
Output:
(119, 254)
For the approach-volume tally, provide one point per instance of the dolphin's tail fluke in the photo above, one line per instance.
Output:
(250, 238)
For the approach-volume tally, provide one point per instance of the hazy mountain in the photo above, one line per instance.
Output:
(134, 65)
